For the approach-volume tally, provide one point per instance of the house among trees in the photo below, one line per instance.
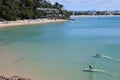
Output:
(31, 9)
(50, 12)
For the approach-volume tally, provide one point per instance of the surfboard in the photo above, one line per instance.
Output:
(89, 70)
(93, 70)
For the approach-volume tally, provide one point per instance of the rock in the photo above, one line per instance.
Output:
(3, 77)
(13, 78)
(18, 78)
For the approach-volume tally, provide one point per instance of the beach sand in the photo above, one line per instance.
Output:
(28, 22)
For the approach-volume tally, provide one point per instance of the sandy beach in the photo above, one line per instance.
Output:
(94, 16)
(28, 22)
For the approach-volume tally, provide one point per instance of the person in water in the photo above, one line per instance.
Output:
(98, 55)
(91, 67)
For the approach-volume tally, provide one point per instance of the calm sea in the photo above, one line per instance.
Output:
(61, 51)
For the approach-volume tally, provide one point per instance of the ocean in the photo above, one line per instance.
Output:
(61, 51)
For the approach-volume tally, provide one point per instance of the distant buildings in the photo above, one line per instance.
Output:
(95, 13)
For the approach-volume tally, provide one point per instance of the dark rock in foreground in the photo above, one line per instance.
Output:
(13, 78)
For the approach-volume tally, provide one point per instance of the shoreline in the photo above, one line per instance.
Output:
(6, 24)
(77, 16)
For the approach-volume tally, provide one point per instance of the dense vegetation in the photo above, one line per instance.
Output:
(26, 9)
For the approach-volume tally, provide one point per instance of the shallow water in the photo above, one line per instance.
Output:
(60, 51)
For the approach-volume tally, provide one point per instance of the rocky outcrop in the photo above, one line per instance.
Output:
(13, 78)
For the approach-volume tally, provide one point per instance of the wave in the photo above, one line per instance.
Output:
(107, 57)
(100, 71)
(110, 58)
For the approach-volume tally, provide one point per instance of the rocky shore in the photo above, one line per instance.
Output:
(2, 77)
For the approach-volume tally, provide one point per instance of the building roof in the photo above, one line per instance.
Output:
(49, 10)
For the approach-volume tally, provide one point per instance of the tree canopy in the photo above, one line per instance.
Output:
(25, 9)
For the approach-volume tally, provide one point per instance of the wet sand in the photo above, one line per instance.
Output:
(28, 22)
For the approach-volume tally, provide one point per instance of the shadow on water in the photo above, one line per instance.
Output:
(10, 35)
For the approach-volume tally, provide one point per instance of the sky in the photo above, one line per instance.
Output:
(83, 5)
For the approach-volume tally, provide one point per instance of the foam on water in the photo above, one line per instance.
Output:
(107, 57)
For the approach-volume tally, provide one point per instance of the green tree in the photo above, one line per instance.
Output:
(58, 6)
(26, 9)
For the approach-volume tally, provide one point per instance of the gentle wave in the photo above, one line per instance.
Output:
(107, 57)
(110, 58)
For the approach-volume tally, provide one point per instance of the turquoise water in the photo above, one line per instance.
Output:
(60, 51)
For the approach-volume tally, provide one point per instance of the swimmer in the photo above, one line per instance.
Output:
(97, 55)
(90, 67)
